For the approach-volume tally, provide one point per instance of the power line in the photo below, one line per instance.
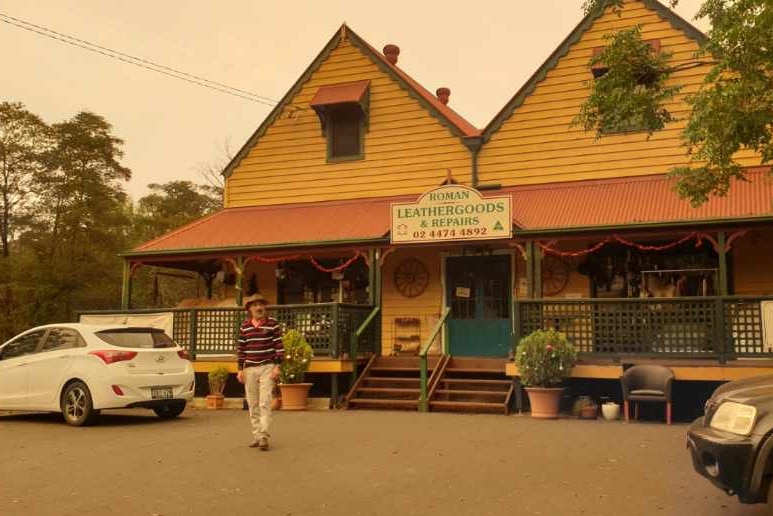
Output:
(136, 61)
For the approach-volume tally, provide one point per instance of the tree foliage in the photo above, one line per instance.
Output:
(65, 216)
(731, 112)
(23, 141)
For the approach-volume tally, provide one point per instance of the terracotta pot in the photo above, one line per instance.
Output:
(215, 401)
(589, 412)
(295, 396)
(276, 403)
(544, 401)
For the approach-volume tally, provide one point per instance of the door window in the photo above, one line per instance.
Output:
(62, 338)
(24, 345)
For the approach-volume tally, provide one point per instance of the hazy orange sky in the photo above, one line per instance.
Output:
(482, 51)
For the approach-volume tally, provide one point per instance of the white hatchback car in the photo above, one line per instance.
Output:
(80, 369)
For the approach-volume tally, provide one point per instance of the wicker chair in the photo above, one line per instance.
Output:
(647, 383)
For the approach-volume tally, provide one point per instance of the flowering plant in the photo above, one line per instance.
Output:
(298, 354)
(544, 358)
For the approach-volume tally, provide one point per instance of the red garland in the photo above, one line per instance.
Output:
(623, 241)
(271, 260)
(335, 269)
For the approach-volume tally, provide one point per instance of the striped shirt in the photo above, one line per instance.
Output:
(261, 344)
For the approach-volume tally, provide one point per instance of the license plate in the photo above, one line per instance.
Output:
(161, 393)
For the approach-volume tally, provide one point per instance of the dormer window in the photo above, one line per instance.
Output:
(634, 124)
(343, 116)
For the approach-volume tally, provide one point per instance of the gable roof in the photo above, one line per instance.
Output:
(445, 115)
(527, 89)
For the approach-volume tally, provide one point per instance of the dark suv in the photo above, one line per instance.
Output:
(732, 444)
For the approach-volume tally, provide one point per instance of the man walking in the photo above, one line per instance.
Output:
(260, 352)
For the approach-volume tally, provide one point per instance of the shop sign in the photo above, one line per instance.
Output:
(451, 213)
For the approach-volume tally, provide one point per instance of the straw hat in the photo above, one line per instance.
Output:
(255, 298)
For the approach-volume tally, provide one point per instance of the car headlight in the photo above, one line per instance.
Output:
(734, 417)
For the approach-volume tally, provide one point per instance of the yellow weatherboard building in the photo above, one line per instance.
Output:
(392, 231)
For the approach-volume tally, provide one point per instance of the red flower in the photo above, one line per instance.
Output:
(549, 347)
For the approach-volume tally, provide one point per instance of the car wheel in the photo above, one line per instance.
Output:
(77, 405)
(170, 410)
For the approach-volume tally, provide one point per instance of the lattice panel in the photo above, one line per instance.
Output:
(743, 327)
(181, 329)
(640, 327)
(313, 322)
(217, 330)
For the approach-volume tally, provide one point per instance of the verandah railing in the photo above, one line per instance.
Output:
(213, 331)
(723, 328)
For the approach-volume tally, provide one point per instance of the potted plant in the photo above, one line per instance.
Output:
(298, 354)
(585, 408)
(217, 378)
(544, 359)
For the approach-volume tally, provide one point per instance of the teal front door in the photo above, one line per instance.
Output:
(478, 292)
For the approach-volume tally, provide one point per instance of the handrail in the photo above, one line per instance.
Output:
(423, 358)
(356, 336)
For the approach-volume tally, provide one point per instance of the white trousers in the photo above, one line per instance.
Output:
(259, 387)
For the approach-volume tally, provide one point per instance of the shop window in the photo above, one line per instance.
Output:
(299, 282)
(683, 271)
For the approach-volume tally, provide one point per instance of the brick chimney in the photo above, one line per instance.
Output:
(391, 52)
(443, 94)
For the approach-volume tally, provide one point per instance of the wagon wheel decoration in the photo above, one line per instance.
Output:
(411, 277)
(555, 275)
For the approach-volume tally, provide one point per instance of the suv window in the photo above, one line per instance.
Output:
(24, 345)
(62, 338)
(149, 338)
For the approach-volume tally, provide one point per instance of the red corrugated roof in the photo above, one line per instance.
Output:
(631, 201)
(609, 202)
(339, 93)
(277, 225)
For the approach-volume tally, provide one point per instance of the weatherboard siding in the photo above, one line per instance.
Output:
(407, 150)
(537, 145)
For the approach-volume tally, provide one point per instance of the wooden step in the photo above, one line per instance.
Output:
(388, 390)
(503, 383)
(382, 403)
(472, 392)
(397, 369)
(474, 370)
(466, 405)
(394, 379)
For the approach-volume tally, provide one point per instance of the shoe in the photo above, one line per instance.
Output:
(254, 443)
(263, 444)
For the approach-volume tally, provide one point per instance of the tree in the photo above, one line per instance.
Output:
(23, 140)
(171, 205)
(80, 224)
(732, 111)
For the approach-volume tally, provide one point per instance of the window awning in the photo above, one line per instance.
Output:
(349, 92)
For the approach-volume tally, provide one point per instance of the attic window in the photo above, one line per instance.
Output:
(343, 116)
(599, 69)
(634, 124)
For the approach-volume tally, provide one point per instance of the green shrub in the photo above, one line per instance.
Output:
(298, 355)
(544, 358)
(217, 378)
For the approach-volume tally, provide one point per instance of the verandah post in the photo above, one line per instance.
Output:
(722, 252)
(126, 286)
